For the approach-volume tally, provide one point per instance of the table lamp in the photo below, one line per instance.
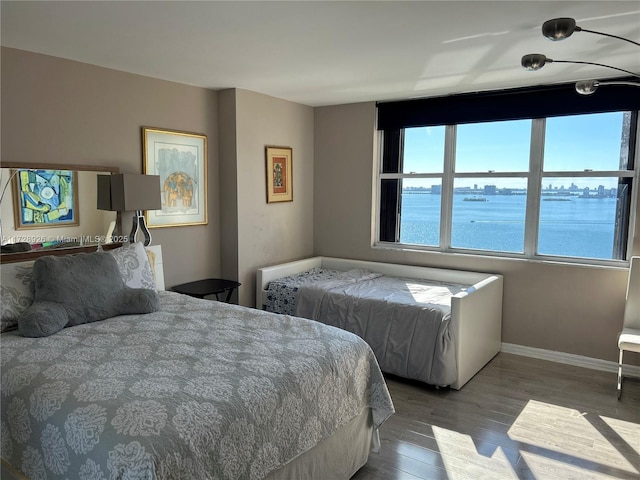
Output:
(130, 192)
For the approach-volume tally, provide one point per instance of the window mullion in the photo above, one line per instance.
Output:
(534, 184)
(410, 175)
(634, 130)
(447, 187)
(491, 174)
(590, 173)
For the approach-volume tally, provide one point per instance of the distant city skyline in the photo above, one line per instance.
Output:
(548, 183)
(491, 189)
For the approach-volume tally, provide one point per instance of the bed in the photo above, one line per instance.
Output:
(434, 325)
(197, 389)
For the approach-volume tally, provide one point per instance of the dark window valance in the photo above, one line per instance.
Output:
(513, 104)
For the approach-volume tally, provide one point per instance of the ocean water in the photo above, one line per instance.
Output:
(577, 227)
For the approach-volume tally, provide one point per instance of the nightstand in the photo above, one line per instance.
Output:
(209, 286)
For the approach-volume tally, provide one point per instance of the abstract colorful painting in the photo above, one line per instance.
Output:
(45, 198)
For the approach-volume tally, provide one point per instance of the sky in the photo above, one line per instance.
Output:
(571, 143)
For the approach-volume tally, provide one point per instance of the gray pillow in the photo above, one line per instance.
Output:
(88, 287)
(16, 290)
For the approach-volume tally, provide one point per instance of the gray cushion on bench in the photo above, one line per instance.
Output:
(88, 287)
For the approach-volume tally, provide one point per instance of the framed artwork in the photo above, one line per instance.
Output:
(279, 174)
(45, 198)
(180, 159)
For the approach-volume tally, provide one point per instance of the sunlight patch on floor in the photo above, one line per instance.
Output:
(565, 432)
(541, 466)
(454, 446)
(628, 431)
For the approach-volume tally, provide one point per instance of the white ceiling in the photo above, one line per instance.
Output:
(331, 52)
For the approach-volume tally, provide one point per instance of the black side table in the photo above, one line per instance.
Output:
(209, 286)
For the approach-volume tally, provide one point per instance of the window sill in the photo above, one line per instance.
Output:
(502, 256)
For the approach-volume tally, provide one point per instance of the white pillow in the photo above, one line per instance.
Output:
(134, 266)
(16, 291)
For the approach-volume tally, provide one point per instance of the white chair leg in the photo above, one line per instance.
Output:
(620, 375)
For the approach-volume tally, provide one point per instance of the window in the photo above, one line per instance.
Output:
(540, 187)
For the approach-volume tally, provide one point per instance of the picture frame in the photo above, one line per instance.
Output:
(279, 167)
(180, 159)
(45, 198)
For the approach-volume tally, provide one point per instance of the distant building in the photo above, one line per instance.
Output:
(436, 189)
(489, 189)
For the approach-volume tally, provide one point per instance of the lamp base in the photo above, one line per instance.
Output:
(138, 220)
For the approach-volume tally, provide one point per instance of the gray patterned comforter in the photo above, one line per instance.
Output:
(407, 322)
(282, 292)
(197, 390)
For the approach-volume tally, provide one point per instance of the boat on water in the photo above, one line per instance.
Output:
(475, 199)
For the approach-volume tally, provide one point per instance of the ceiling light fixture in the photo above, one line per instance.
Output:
(561, 28)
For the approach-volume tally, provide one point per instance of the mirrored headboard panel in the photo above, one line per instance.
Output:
(51, 207)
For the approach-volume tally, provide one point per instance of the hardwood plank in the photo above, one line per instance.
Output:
(517, 418)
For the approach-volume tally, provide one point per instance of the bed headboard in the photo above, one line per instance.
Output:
(154, 252)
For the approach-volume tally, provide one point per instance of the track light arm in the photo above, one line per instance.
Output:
(608, 35)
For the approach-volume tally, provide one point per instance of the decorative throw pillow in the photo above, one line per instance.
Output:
(134, 265)
(88, 287)
(16, 291)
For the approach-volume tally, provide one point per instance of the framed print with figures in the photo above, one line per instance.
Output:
(279, 174)
(180, 159)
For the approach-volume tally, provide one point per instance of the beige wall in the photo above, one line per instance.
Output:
(60, 111)
(567, 308)
(275, 232)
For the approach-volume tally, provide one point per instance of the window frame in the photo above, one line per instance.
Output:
(534, 177)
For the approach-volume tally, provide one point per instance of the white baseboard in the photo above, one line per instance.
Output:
(570, 359)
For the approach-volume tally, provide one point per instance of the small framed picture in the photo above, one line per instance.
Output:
(279, 174)
(45, 198)
(180, 159)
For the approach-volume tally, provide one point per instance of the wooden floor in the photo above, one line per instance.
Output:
(519, 418)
